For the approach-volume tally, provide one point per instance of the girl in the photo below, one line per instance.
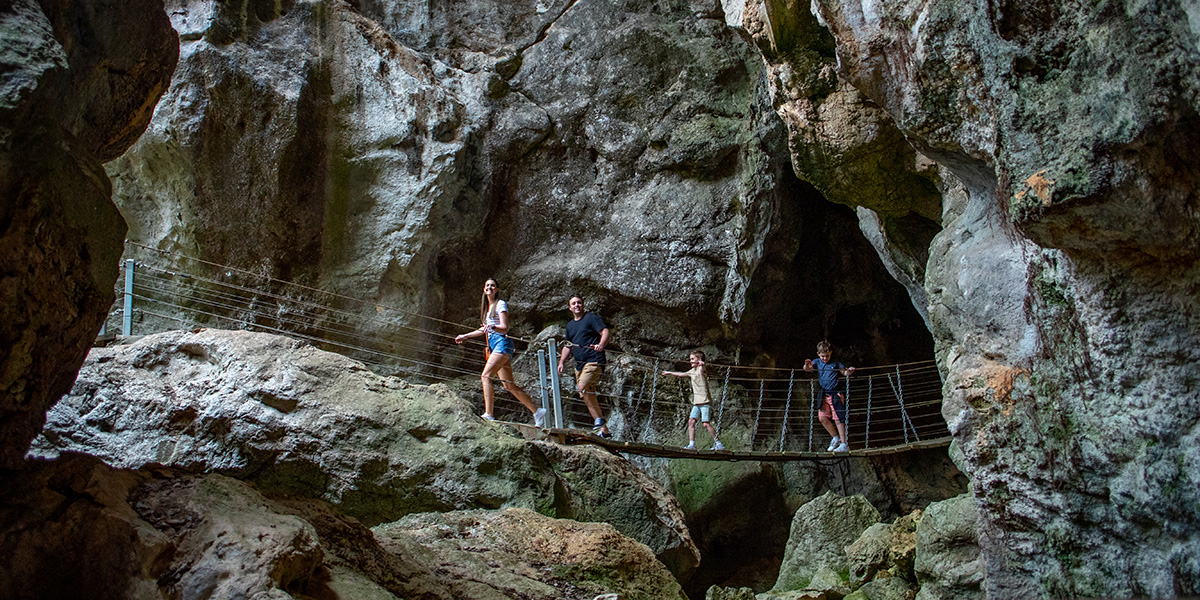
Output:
(493, 312)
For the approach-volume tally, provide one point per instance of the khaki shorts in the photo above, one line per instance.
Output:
(586, 378)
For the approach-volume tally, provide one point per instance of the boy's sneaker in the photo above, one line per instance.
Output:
(842, 448)
(717, 445)
(539, 417)
(833, 443)
(598, 426)
(487, 417)
(691, 446)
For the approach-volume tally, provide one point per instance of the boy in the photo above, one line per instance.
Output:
(700, 400)
(833, 399)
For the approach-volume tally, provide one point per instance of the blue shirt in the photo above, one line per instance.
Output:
(829, 374)
(584, 333)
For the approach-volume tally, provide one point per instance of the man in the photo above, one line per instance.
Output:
(588, 336)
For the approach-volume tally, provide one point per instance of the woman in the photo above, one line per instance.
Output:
(494, 313)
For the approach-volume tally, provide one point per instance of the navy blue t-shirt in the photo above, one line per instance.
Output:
(829, 374)
(583, 333)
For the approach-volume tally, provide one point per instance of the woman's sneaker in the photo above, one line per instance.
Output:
(842, 448)
(833, 444)
(717, 445)
(539, 417)
(691, 446)
(487, 417)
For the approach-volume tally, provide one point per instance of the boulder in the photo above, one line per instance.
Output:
(307, 423)
(884, 588)
(884, 547)
(947, 561)
(728, 593)
(821, 531)
(520, 553)
(163, 532)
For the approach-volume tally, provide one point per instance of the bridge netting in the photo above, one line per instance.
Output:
(753, 407)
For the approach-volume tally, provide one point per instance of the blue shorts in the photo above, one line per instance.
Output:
(500, 343)
(700, 411)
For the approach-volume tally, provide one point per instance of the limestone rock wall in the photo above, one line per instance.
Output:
(1062, 287)
(402, 152)
(78, 84)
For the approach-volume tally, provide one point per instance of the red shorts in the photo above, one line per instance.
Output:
(830, 410)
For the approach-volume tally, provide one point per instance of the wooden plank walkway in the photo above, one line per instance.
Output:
(580, 436)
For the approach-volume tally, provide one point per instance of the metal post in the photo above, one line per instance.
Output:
(870, 392)
(127, 315)
(555, 393)
(542, 380)
(812, 410)
(787, 407)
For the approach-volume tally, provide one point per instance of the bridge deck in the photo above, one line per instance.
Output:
(580, 436)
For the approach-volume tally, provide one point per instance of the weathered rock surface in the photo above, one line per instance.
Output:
(78, 83)
(745, 548)
(884, 548)
(312, 424)
(522, 554)
(162, 532)
(947, 560)
(402, 154)
(1063, 286)
(845, 144)
(821, 531)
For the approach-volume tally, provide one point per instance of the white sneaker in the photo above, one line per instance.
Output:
(842, 448)
(717, 445)
(690, 446)
(833, 443)
(487, 417)
(539, 417)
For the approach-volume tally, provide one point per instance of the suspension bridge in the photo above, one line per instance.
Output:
(761, 413)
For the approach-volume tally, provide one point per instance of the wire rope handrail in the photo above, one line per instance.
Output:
(374, 337)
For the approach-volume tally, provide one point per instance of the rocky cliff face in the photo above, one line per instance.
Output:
(638, 152)
(626, 150)
(77, 86)
(1063, 284)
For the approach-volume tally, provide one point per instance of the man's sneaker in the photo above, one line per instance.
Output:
(539, 417)
(717, 445)
(598, 426)
(842, 448)
(691, 446)
(833, 444)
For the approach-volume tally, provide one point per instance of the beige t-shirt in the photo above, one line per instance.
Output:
(699, 386)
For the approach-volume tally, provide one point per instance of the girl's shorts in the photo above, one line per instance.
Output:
(500, 343)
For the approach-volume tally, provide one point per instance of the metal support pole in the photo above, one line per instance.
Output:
(127, 314)
(812, 410)
(787, 407)
(870, 392)
(721, 408)
(555, 392)
(542, 380)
